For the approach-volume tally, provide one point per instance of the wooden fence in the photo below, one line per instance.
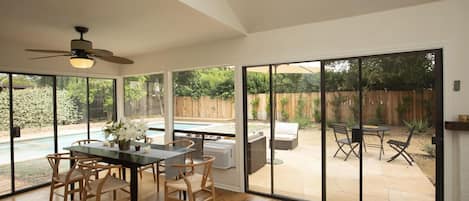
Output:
(377, 106)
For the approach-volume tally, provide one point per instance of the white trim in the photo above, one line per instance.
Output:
(168, 106)
(142, 74)
(238, 87)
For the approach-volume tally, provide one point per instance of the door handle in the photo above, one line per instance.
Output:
(16, 131)
(357, 135)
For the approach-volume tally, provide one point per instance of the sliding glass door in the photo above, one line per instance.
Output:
(283, 130)
(41, 114)
(33, 128)
(342, 114)
(372, 130)
(5, 144)
(400, 117)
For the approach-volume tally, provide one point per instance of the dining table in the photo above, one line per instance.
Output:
(375, 131)
(134, 159)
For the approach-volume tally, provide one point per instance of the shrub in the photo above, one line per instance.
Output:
(403, 107)
(421, 126)
(255, 107)
(337, 106)
(267, 106)
(317, 110)
(429, 149)
(379, 116)
(355, 108)
(283, 110)
(300, 116)
(33, 107)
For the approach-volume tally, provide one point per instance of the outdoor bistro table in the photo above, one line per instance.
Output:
(133, 159)
(375, 131)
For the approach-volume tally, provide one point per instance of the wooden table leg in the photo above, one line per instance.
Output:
(133, 183)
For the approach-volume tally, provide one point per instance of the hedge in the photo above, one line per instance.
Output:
(33, 108)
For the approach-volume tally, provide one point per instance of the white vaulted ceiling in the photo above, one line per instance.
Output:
(135, 27)
(262, 15)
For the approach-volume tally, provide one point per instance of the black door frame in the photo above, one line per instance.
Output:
(10, 74)
(438, 122)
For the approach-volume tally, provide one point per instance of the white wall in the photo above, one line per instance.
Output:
(441, 24)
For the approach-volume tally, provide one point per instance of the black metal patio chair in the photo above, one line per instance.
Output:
(401, 147)
(341, 129)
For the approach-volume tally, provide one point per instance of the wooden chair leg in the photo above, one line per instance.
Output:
(140, 170)
(213, 192)
(66, 193)
(81, 188)
(51, 195)
(166, 197)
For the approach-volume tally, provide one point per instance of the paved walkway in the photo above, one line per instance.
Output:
(300, 174)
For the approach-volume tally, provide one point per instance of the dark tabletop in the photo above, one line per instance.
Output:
(160, 152)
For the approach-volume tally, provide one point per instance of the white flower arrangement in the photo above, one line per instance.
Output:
(125, 130)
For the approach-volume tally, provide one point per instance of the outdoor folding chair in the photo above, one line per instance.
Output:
(401, 147)
(340, 129)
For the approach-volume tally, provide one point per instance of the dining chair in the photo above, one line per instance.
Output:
(192, 183)
(89, 141)
(107, 183)
(157, 167)
(65, 178)
(401, 146)
(85, 141)
(344, 140)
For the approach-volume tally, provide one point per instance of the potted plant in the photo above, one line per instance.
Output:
(124, 131)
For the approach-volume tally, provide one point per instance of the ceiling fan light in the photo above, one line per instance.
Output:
(82, 62)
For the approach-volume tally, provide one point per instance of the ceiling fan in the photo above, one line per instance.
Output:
(82, 53)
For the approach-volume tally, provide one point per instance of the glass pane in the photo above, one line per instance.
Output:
(71, 110)
(144, 101)
(204, 100)
(342, 114)
(33, 113)
(102, 108)
(297, 137)
(259, 127)
(398, 95)
(5, 158)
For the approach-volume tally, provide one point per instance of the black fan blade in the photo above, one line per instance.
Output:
(114, 59)
(100, 52)
(45, 57)
(47, 51)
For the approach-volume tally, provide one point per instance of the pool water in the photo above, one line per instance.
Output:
(40, 147)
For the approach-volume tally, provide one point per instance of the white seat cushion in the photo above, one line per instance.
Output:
(286, 137)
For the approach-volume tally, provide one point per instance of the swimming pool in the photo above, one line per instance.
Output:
(39, 147)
